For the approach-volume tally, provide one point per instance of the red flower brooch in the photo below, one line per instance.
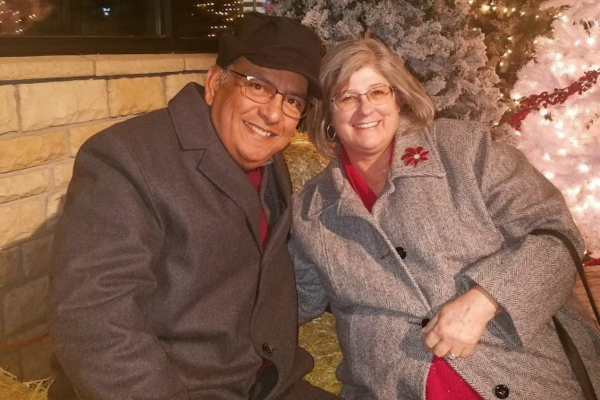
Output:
(413, 156)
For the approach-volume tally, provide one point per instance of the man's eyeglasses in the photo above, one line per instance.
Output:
(349, 101)
(263, 92)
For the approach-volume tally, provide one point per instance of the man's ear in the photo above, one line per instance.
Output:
(212, 83)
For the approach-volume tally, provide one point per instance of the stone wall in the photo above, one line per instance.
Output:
(48, 107)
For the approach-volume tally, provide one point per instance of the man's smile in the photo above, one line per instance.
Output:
(258, 130)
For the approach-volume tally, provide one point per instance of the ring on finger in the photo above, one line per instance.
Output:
(450, 356)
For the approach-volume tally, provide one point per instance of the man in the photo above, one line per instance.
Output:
(171, 277)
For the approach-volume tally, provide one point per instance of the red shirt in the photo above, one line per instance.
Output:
(254, 177)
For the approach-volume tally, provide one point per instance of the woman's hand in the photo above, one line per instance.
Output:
(456, 328)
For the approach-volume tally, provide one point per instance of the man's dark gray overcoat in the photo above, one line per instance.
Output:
(159, 286)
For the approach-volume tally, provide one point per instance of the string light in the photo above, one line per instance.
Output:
(514, 27)
(15, 22)
(594, 184)
(573, 192)
(224, 14)
(549, 175)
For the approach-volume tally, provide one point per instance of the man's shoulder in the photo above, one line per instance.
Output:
(144, 131)
(152, 126)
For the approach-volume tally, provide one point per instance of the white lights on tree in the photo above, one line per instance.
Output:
(562, 140)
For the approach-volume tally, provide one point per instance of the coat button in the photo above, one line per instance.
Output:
(268, 350)
(501, 391)
(424, 322)
(401, 252)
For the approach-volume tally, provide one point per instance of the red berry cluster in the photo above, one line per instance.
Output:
(592, 262)
(544, 99)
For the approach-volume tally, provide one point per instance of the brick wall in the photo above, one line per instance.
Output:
(48, 107)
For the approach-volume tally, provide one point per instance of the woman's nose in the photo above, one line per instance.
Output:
(364, 105)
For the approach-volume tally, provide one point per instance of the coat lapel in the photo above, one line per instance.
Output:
(340, 196)
(339, 208)
(418, 139)
(199, 141)
(278, 195)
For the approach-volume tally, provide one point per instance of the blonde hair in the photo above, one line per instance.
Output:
(344, 59)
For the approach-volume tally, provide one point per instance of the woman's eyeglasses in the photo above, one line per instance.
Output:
(349, 101)
(263, 92)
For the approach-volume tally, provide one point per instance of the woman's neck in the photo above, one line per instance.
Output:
(373, 168)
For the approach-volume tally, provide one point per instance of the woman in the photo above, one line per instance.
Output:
(419, 236)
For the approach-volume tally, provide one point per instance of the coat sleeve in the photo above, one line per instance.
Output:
(106, 244)
(312, 298)
(531, 276)
(303, 390)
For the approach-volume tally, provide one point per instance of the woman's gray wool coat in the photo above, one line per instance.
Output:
(463, 217)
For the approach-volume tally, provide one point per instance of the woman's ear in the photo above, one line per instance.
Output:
(212, 83)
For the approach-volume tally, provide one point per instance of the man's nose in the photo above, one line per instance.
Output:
(272, 112)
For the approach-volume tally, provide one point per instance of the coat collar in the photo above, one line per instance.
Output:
(191, 118)
(199, 141)
(422, 138)
(334, 190)
(277, 197)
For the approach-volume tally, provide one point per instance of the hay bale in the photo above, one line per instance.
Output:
(302, 160)
(12, 389)
(319, 338)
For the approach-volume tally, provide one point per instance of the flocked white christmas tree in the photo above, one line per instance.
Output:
(431, 36)
(559, 119)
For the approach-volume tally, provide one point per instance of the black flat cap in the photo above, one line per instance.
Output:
(274, 42)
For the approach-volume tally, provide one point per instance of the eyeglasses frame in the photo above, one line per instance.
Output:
(366, 94)
(309, 105)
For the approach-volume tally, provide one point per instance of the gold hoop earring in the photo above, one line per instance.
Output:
(330, 136)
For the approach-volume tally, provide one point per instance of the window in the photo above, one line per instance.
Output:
(44, 27)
